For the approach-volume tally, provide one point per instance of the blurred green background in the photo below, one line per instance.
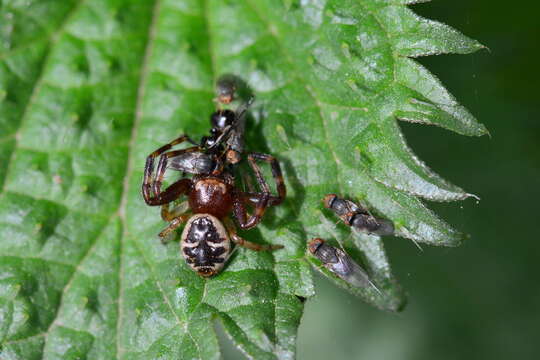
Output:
(481, 300)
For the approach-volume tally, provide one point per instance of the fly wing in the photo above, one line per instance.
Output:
(347, 269)
(236, 140)
(195, 162)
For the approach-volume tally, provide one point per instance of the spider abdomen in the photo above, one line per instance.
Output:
(205, 244)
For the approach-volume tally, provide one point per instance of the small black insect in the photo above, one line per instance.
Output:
(358, 217)
(230, 125)
(339, 263)
(209, 154)
(222, 147)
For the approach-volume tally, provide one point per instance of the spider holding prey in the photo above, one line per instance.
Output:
(211, 191)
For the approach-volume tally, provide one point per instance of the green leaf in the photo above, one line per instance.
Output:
(89, 88)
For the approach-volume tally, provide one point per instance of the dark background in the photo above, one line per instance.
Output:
(481, 300)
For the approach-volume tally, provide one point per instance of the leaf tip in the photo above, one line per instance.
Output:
(457, 240)
(481, 130)
(475, 46)
(475, 197)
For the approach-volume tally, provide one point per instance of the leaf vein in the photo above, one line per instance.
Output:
(304, 84)
(37, 86)
(69, 283)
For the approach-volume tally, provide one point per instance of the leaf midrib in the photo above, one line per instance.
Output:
(130, 165)
(123, 205)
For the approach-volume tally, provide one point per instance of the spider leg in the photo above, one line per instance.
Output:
(169, 215)
(173, 192)
(149, 167)
(240, 212)
(162, 166)
(231, 229)
(174, 224)
(276, 174)
(149, 187)
(254, 198)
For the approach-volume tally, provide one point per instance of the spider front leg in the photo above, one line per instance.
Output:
(276, 174)
(162, 165)
(173, 192)
(151, 188)
(231, 229)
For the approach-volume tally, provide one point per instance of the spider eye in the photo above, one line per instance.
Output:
(222, 118)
